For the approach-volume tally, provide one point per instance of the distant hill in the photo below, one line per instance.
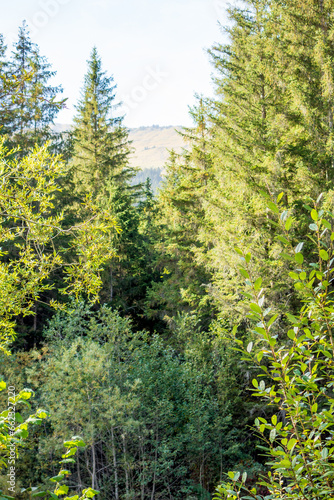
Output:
(151, 145)
(151, 151)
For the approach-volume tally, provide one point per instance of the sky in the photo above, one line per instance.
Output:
(155, 50)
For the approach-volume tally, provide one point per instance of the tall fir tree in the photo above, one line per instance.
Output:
(178, 219)
(101, 145)
(33, 108)
(101, 169)
(263, 143)
(6, 88)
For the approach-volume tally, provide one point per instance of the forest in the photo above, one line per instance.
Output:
(177, 344)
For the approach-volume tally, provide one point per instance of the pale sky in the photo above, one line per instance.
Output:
(155, 49)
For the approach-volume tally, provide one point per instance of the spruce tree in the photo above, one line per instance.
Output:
(179, 218)
(262, 143)
(101, 169)
(101, 146)
(33, 107)
(5, 88)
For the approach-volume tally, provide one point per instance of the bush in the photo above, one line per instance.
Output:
(297, 376)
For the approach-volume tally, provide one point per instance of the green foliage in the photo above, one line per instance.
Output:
(296, 378)
(165, 414)
(28, 225)
(29, 103)
(101, 145)
(178, 220)
(152, 418)
(62, 489)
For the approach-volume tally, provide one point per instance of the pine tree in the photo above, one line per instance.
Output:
(5, 87)
(101, 146)
(261, 145)
(101, 169)
(179, 219)
(33, 107)
(305, 42)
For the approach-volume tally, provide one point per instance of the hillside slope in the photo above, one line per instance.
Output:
(151, 145)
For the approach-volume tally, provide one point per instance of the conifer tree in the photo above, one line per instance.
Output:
(262, 140)
(4, 90)
(179, 219)
(34, 107)
(305, 42)
(101, 169)
(101, 145)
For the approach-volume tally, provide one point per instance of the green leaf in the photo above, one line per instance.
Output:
(314, 214)
(25, 394)
(258, 284)
(255, 383)
(282, 240)
(52, 495)
(255, 308)
(292, 318)
(279, 197)
(90, 493)
(18, 418)
(313, 227)
(326, 224)
(239, 252)
(288, 224)
(56, 479)
(74, 442)
(272, 319)
(244, 272)
(22, 433)
(42, 414)
(286, 256)
(70, 453)
(299, 258)
(62, 490)
(323, 254)
(273, 207)
(291, 443)
(2, 385)
(314, 408)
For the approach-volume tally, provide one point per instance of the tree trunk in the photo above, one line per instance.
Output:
(79, 475)
(115, 463)
(142, 486)
(35, 317)
(155, 465)
(125, 468)
(111, 285)
(94, 467)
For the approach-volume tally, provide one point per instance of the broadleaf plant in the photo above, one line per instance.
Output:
(296, 376)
